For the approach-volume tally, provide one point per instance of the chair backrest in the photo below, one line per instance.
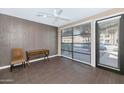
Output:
(17, 53)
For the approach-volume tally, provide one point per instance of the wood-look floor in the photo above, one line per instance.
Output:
(59, 70)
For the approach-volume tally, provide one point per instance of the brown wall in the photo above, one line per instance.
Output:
(16, 32)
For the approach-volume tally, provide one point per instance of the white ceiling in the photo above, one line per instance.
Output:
(71, 13)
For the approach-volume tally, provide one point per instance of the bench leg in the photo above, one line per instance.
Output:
(11, 67)
(28, 63)
(44, 57)
(47, 57)
(24, 64)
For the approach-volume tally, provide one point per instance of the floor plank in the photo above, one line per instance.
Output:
(59, 70)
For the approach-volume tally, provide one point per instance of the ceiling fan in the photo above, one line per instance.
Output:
(55, 15)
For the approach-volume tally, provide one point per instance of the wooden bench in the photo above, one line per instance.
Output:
(33, 54)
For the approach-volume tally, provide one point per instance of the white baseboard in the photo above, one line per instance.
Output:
(41, 59)
(4, 67)
(7, 66)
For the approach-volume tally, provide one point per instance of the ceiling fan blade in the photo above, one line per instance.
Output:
(62, 18)
(43, 13)
(60, 11)
(57, 11)
(54, 17)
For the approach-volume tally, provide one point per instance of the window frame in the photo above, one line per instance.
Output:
(113, 69)
(89, 23)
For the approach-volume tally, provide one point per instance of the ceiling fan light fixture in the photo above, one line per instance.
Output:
(55, 12)
(44, 16)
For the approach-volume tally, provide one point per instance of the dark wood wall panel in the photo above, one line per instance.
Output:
(16, 32)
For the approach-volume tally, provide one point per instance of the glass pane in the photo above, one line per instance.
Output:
(67, 53)
(82, 29)
(67, 32)
(108, 44)
(82, 57)
(67, 39)
(78, 30)
(84, 48)
(67, 47)
(83, 39)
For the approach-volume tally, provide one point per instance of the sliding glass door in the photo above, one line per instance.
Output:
(66, 43)
(108, 43)
(76, 43)
(82, 43)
